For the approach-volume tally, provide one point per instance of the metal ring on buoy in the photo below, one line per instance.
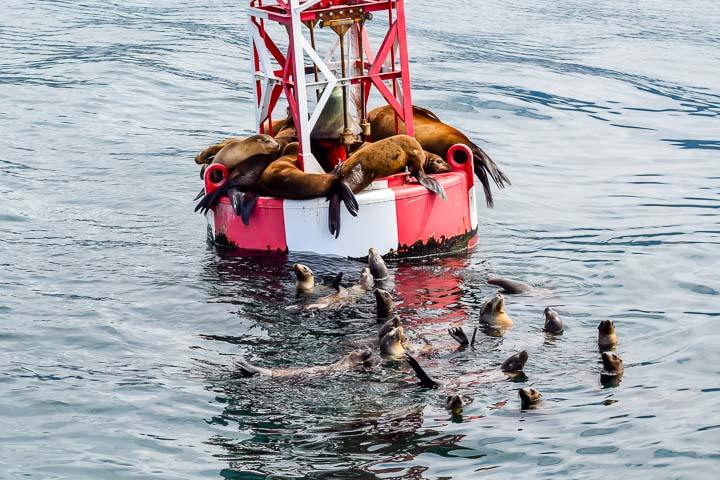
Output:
(211, 186)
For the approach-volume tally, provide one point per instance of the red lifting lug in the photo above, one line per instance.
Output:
(215, 177)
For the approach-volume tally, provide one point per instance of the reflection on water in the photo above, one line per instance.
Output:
(120, 325)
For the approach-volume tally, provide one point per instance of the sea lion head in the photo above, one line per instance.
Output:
(393, 343)
(377, 265)
(612, 363)
(553, 322)
(305, 280)
(455, 403)
(528, 397)
(389, 325)
(515, 363)
(262, 144)
(493, 312)
(385, 304)
(435, 164)
(366, 279)
(357, 358)
(607, 338)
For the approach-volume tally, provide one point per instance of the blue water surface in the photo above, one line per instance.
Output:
(119, 323)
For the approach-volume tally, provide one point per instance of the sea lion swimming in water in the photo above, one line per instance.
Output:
(387, 157)
(353, 360)
(515, 363)
(529, 397)
(283, 178)
(385, 306)
(553, 322)
(493, 313)
(344, 296)
(510, 287)
(607, 338)
(377, 265)
(393, 342)
(437, 137)
(305, 280)
(613, 369)
(394, 322)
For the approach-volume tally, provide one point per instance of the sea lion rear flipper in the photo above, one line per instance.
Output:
(432, 185)
(334, 214)
(245, 369)
(485, 165)
(458, 334)
(209, 200)
(348, 198)
(424, 378)
(336, 281)
(199, 195)
(243, 203)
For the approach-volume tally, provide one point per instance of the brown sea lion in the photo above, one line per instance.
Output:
(394, 322)
(529, 397)
(437, 137)
(433, 163)
(553, 322)
(344, 296)
(613, 369)
(206, 156)
(245, 161)
(607, 338)
(510, 287)
(377, 265)
(387, 157)
(456, 403)
(283, 178)
(385, 306)
(493, 313)
(353, 360)
(515, 363)
(305, 280)
(393, 342)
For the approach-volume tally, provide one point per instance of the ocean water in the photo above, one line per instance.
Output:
(119, 323)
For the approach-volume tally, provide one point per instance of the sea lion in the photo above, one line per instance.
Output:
(437, 137)
(529, 397)
(377, 265)
(245, 160)
(607, 338)
(510, 287)
(394, 322)
(456, 403)
(393, 343)
(344, 296)
(515, 363)
(493, 313)
(385, 306)
(387, 157)
(283, 178)
(206, 156)
(305, 280)
(433, 163)
(553, 322)
(612, 363)
(353, 360)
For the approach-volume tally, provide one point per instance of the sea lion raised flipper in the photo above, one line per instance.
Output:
(459, 335)
(336, 281)
(425, 379)
(199, 195)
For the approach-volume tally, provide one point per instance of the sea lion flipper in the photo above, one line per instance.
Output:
(458, 334)
(348, 198)
(247, 206)
(245, 369)
(199, 195)
(334, 214)
(472, 342)
(337, 280)
(425, 379)
(432, 185)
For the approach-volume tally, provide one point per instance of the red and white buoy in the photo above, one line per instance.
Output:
(397, 216)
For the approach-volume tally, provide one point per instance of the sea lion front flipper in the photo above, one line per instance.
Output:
(472, 342)
(245, 369)
(431, 184)
(246, 205)
(425, 379)
(199, 195)
(336, 281)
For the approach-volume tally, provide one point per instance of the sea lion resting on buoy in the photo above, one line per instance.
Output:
(433, 163)
(245, 160)
(353, 360)
(493, 312)
(283, 178)
(387, 157)
(437, 137)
